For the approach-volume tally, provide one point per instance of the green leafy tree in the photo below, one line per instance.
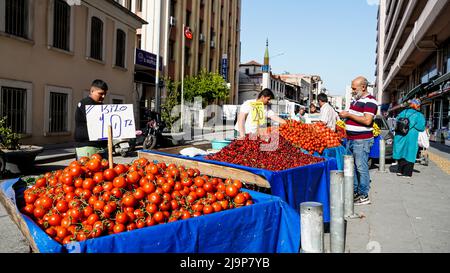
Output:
(209, 86)
(173, 99)
(8, 139)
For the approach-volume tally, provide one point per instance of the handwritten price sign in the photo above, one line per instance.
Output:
(119, 116)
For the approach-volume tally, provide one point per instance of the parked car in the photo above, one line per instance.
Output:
(387, 134)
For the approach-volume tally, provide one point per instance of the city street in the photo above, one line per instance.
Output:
(280, 96)
(405, 215)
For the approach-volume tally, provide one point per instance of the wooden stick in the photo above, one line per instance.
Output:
(110, 147)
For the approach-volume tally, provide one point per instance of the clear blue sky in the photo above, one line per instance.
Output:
(335, 39)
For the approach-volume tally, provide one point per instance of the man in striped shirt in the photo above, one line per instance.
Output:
(359, 124)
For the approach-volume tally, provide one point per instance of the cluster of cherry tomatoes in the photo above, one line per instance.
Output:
(274, 154)
(88, 199)
(310, 137)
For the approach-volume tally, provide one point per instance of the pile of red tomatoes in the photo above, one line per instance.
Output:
(310, 137)
(88, 199)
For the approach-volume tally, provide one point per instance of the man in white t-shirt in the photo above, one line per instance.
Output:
(328, 115)
(254, 113)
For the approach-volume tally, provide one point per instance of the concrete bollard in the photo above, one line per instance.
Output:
(349, 176)
(337, 223)
(382, 156)
(311, 227)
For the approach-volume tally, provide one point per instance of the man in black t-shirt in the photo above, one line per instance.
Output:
(84, 147)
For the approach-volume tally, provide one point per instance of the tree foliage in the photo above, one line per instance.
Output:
(209, 86)
(173, 99)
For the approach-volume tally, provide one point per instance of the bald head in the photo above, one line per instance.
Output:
(360, 81)
(359, 87)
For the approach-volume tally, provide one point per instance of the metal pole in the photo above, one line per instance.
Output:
(337, 212)
(311, 223)
(382, 155)
(158, 36)
(349, 176)
(182, 76)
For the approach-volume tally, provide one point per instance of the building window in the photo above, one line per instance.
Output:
(139, 6)
(117, 101)
(447, 59)
(13, 105)
(96, 38)
(128, 4)
(139, 41)
(58, 112)
(200, 62)
(187, 56)
(16, 17)
(120, 48)
(429, 69)
(188, 18)
(173, 8)
(61, 25)
(172, 50)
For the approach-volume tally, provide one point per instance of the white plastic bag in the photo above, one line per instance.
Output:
(424, 140)
(192, 152)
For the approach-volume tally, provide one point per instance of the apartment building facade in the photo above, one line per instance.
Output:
(51, 52)
(214, 47)
(413, 59)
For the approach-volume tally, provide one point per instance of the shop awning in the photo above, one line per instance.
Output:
(442, 79)
(416, 90)
(436, 84)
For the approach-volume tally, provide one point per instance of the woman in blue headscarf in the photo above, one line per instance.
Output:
(406, 146)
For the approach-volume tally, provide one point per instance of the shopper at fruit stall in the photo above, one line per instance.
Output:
(299, 114)
(406, 146)
(313, 115)
(328, 115)
(84, 147)
(251, 117)
(359, 129)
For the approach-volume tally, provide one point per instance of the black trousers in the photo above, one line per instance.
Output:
(405, 167)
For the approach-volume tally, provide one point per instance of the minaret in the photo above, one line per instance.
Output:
(266, 68)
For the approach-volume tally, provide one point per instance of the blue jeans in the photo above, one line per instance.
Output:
(360, 149)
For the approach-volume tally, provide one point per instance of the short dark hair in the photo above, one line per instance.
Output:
(322, 97)
(100, 84)
(266, 93)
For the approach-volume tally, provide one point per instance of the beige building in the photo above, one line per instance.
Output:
(215, 46)
(413, 59)
(50, 52)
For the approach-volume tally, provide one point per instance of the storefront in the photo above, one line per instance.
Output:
(436, 110)
(145, 79)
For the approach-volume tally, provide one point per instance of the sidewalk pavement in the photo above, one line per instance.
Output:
(406, 215)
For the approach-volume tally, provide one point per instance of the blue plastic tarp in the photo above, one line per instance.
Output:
(268, 226)
(294, 186)
(336, 153)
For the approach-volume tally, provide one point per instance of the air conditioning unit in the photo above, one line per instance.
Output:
(213, 44)
(172, 21)
(202, 37)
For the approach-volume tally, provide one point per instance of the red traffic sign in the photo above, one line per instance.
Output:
(188, 33)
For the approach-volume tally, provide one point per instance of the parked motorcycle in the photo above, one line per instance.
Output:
(153, 131)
